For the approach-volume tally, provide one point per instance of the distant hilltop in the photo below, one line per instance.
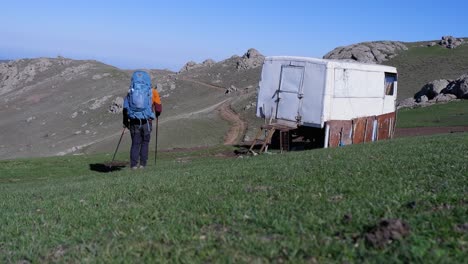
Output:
(367, 52)
(381, 51)
(250, 60)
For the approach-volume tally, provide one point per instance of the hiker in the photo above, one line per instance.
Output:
(141, 106)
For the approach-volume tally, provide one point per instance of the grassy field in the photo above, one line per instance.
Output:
(451, 114)
(200, 206)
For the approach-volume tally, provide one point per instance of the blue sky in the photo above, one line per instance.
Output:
(166, 34)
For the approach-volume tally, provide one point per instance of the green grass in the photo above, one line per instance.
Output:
(450, 114)
(420, 65)
(197, 207)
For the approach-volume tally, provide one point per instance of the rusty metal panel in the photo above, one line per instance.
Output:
(335, 133)
(382, 128)
(385, 125)
(340, 132)
(393, 125)
(369, 128)
(359, 130)
(347, 133)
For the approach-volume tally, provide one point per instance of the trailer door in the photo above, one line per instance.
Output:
(289, 93)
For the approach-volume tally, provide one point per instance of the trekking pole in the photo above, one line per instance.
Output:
(156, 140)
(121, 136)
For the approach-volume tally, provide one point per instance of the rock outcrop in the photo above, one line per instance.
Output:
(21, 72)
(209, 63)
(250, 60)
(367, 52)
(432, 89)
(193, 65)
(189, 66)
(438, 91)
(450, 42)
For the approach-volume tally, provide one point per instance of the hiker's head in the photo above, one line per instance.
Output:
(155, 86)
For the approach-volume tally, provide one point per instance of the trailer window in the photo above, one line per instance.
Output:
(390, 80)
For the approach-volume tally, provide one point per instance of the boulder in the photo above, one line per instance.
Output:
(116, 106)
(443, 98)
(458, 87)
(231, 89)
(432, 89)
(422, 99)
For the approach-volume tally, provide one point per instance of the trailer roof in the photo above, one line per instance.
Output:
(335, 63)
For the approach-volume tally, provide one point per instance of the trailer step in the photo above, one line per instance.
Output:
(267, 131)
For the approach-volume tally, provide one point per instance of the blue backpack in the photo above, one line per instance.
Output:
(140, 96)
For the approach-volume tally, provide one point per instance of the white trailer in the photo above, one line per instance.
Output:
(352, 102)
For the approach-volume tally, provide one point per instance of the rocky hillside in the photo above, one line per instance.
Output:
(57, 106)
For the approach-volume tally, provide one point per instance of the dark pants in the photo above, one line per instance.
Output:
(141, 134)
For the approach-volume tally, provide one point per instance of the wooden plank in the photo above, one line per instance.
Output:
(267, 139)
(259, 133)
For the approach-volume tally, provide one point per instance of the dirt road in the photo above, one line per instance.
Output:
(423, 131)
(238, 126)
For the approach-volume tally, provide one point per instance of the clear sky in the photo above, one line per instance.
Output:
(166, 34)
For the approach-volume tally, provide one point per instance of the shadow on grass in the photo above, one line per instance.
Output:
(107, 167)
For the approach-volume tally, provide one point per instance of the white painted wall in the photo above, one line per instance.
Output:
(330, 90)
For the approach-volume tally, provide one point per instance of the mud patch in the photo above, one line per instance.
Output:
(424, 131)
(56, 254)
(387, 231)
(225, 155)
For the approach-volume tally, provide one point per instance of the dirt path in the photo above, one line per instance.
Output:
(204, 84)
(421, 131)
(238, 126)
(188, 115)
